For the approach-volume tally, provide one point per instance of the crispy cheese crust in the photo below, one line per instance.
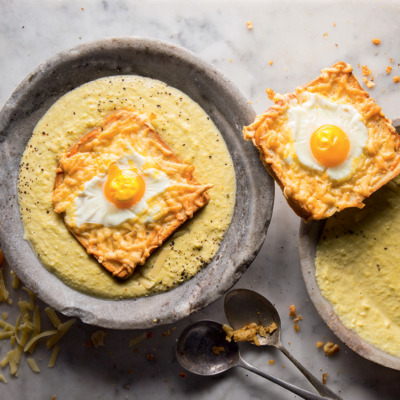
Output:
(312, 194)
(121, 248)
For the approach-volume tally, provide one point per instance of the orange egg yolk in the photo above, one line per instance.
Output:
(123, 187)
(330, 145)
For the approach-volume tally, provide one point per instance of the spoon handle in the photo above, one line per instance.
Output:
(294, 389)
(322, 389)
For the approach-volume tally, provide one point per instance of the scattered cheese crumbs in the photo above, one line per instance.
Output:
(365, 70)
(330, 348)
(296, 327)
(38, 337)
(4, 294)
(61, 331)
(368, 83)
(396, 79)
(271, 62)
(136, 340)
(12, 361)
(97, 338)
(334, 24)
(249, 332)
(249, 25)
(376, 41)
(217, 350)
(292, 311)
(32, 363)
(388, 69)
(271, 362)
(53, 316)
(54, 355)
(319, 344)
(324, 378)
(16, 282)
(3, 378)
(27, 331)
(391, 60)
(325, 35)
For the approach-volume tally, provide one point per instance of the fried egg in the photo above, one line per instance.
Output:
(124, 192)
(327, 136)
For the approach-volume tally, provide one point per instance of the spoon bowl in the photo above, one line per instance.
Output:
(195, 349)
(258, 310)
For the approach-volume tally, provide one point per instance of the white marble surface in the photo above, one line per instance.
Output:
(300, 37)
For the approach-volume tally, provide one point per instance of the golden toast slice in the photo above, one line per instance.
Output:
(312, 193)
(122, 247)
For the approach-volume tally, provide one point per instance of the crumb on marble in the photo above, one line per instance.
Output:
(365, 70)
(292, 310)
(376, 41)
(388, 69)
(271, 362)
(331, 348)
(396, 79)
(324, 378)
(368, 83)
(325, 35)
(271, 62)
(249, 25)
(319, 344)
(97, 338)
(296, 327)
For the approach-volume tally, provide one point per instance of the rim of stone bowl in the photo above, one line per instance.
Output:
(228, 109)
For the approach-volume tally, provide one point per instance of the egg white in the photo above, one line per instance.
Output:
(304, 119)
(91, 205)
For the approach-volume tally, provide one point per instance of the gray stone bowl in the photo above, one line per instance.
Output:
(223, 103)
(309, 236)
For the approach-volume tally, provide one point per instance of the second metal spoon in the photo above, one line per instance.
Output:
(243, 306)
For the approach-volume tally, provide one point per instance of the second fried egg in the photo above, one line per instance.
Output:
(327, 136)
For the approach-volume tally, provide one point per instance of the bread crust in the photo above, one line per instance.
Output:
(337, 82)
(150, 237)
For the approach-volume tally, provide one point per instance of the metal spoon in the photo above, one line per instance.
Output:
(202, 348)
(243, 306)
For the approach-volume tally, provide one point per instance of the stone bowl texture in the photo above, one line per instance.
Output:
(226, 107)
(309, 236)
